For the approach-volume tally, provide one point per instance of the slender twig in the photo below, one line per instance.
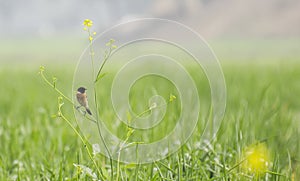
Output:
(65, 119)
(83, 140)
(91, 49)
(120, 150)
(54, 87)
(106, 56)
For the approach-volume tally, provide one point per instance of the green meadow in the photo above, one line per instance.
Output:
(258, 138)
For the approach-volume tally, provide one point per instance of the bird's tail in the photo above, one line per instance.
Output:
(88, 111)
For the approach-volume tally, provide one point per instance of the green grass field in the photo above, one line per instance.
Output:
(262, 117)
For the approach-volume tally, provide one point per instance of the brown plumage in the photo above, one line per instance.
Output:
(82, 99)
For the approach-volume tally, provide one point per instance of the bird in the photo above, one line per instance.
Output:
(82, 99)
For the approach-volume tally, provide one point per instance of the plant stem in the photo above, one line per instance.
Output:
(106, 56)
(119, 156)
(91, 49)
(54, 87)
(85, 145)
(74, 129)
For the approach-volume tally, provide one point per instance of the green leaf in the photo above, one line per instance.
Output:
(54, 80)
(129, 117)
(114, 46)
(100, 76)
(42, 69)
(129, 132)
(130, 165)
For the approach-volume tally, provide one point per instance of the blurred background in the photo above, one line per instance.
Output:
(51, 31)
(256, 41)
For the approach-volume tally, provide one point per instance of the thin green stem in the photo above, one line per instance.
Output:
(275, 173)
(237, 165)
(119, 155)
(91, 49)
(146, 111)
(85, 145)
(54, 87)
(106, 56)
(65, 119)
(91, 52)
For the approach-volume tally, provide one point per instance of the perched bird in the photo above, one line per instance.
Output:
(82, 99)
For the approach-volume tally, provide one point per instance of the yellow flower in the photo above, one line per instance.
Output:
(114, 46)
(172, 98)
(88, 23)
(257, 159)
(90, 38)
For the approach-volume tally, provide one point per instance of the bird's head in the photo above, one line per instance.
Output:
(81, 90)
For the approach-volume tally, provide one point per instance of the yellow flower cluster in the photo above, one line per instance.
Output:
(88, 23)
(172, 98)
(257, 159)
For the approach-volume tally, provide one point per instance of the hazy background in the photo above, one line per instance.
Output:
(48, 31)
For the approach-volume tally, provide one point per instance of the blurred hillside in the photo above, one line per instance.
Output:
(211, 18)
(51, 31)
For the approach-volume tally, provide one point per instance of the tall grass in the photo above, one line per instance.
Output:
(262, 107)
